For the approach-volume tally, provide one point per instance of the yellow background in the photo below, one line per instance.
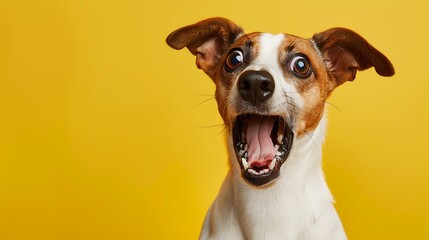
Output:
(106, 133)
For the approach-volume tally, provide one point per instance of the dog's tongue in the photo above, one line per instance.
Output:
(260, 147)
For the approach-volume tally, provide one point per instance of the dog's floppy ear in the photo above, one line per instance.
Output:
(207, 40)
(345, 52)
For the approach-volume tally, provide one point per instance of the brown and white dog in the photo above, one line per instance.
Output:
(271, 92)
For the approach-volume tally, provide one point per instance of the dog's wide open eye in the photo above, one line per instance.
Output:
(300, 66)
(234, 60)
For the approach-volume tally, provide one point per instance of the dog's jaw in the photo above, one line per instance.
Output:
(276, 146)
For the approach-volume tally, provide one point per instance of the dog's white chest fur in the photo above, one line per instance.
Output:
(289, 209)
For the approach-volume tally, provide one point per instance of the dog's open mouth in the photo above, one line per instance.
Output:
(262, 144)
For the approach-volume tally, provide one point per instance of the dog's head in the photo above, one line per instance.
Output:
(271, 89)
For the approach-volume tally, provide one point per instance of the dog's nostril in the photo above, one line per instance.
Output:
(266, 86)
(256, 86)
(244, 85)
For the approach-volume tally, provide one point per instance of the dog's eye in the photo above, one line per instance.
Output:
(300, 67)
(234, 60)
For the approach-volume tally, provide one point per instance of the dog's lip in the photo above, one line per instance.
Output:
(262, 172)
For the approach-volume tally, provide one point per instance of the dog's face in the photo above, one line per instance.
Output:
(271, 89)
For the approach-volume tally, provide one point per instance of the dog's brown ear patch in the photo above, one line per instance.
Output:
(207, 40)
(345, 52)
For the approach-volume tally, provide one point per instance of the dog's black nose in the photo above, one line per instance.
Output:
(256, 86)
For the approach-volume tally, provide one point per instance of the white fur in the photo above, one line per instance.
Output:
(267, 60)
(297, 205)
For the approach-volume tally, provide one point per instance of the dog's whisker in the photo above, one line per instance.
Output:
(223, 129)
(199, 104)
(209, 126)
(204, 95)
(337, 108)
(311, 137)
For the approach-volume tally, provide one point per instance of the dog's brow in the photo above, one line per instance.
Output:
(249, 43)
(248, 39)
(291, 46)
(290, 49)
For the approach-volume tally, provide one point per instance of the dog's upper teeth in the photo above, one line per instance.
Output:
(272, 164)
(241, 152)
(245, 164)
(276, 147)
(280, 138)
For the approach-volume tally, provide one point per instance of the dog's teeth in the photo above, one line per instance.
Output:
(276, 147)
(272, 164)
(278, 153)
(241, 152)
(280, 138)
(245, 146)
(263, 171)
(245, 164)
(245, 154)
(260, 172)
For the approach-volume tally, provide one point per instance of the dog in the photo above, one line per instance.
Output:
(271, 92)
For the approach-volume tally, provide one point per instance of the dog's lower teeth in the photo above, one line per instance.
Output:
(255, 172)
(260, 172)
